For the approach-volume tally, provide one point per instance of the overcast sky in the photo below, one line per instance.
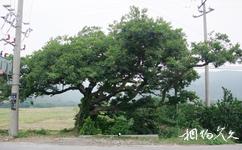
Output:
(51, 18)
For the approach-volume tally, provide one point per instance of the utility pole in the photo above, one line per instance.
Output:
(204, 13)
(14, 115)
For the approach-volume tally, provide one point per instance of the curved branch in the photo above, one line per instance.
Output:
(202, 65)
(59, 91)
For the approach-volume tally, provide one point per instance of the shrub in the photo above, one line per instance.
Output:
(145, 121)
(226, 113)
(89, 128)
(41, 132)
(169, 132)
(188, 115)
(144, 115)
(121, 125)
(104, 123)
(167, 115)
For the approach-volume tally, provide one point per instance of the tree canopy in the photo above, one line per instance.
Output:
(138, 56)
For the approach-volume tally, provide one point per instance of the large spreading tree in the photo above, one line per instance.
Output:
(139, 55)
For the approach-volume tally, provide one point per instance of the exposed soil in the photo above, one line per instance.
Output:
(84, 140)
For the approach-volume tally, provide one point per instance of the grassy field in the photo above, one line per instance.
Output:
(41, 118)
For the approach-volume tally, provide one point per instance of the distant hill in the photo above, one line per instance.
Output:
(231, 80)
(70, 98)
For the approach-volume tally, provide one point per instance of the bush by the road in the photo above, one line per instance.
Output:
(169, 120)
(226, 113)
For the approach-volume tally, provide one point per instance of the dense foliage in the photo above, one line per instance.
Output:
(226, 113)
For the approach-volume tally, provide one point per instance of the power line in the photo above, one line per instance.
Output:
(9, 23)
(30, 10)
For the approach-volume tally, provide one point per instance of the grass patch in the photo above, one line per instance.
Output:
(3, 133)
(199, 141)
(32, 133)
(36, 122)
(40, 133)
(41, 118)
(156, 140)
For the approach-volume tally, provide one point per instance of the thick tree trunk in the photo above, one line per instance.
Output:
(163, 97)
(176, 91)
(84, 112)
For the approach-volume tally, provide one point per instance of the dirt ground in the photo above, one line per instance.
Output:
(84, 140)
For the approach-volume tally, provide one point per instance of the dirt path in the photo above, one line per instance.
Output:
(84, 140)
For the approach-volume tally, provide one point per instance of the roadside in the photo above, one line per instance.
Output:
(55, 137)
(36, 146)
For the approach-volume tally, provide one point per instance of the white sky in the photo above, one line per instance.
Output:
(51, 18)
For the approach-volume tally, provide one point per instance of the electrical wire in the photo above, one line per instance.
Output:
(14, 6)
(27, 24)
(30, 10)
